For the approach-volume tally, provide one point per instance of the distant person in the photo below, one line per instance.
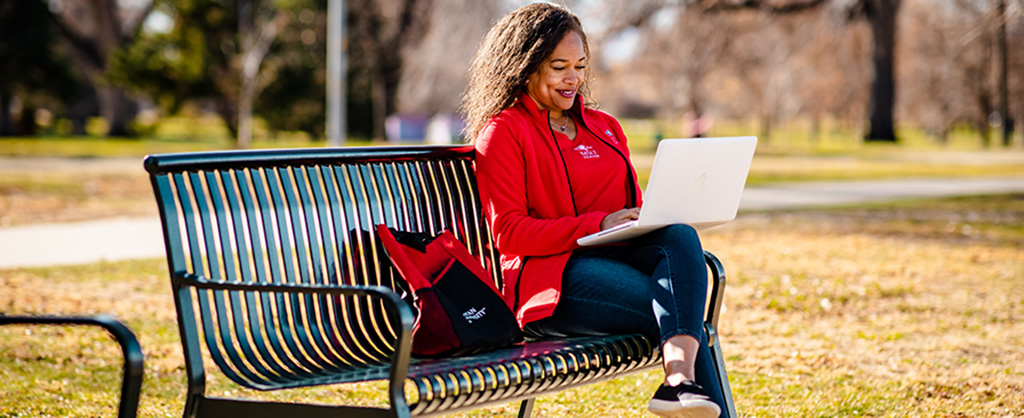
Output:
(696, 126)
(552, 169)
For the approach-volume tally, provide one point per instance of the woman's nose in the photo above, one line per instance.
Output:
(573, 77)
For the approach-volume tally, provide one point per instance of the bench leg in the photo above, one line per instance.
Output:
(526, 408)
(723, 379)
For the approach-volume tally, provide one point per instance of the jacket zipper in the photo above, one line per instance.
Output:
(572, 195)
(565, 167)
(629, 166)
(519, 282)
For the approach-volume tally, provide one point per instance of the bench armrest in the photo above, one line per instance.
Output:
(399, 311)
(717, 294)
(131, 380)
(385, 293)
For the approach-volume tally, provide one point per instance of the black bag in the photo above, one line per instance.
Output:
(460, 309)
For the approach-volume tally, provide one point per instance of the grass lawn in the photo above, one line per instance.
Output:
(72, 179)
(901, 310)
(173, 134)
(909, 309)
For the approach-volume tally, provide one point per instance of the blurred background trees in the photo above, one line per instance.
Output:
(94, 30)
(219, 53)
(872, 66)
(35, 69)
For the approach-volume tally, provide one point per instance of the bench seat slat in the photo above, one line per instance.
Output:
(541, 361)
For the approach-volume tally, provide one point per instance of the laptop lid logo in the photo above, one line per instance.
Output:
(701, 181)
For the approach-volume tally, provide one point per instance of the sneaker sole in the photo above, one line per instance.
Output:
(688, 409)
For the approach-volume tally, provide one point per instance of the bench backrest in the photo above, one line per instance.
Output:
(304, 217)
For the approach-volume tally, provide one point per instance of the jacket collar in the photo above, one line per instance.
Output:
(539, 115)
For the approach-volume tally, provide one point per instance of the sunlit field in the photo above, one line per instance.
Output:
(199, 133)
(906, 309)
(909, 309)
(80, 178)
(177, 134)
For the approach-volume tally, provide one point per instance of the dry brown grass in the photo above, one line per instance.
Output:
(49, 189)
(38, 196)
(897, 310)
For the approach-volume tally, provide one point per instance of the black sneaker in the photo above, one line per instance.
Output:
(687, 400)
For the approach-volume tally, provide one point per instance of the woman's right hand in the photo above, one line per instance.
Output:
(619, 217)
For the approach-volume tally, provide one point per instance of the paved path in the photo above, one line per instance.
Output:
(837, 193)
(133, 238)
(81, 242)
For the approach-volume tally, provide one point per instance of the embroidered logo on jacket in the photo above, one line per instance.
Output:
(586, 152)
(611, 136)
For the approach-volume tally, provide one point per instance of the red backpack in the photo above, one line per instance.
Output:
(460, 309)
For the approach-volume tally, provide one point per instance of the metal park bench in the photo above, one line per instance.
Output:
(275, 272)
(131, 376)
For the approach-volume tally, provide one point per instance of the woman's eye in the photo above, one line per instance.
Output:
(558, 68)
(581, 67)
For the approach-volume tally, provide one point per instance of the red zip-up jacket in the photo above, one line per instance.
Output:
(527, 196)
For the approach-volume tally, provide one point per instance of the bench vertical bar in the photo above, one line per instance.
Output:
(711, 327)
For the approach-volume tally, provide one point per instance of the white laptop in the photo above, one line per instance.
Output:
(695, 181)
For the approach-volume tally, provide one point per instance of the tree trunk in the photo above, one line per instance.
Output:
(983, 131)
(882, 17)
(985, 109)
(258, 24)
(120, 113)
(1004, 89)
(390, 42)
(245, 99)
(815, 127)
(6, 128)
(91, 48)
(380, 105)
(27, 121)
(248, 33)
(118, 110)
(766, 126)
(228, 112)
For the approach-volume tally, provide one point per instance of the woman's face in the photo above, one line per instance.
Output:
(555, 84)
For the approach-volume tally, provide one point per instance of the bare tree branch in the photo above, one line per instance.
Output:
(79, 43)
(631, 14)
(774, 8)
(131, 27)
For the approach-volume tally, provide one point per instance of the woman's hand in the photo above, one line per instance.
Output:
(619, 217)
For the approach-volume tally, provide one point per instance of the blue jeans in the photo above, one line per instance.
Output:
(656, 285)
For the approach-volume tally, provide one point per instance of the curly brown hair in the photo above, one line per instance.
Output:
(514, 48)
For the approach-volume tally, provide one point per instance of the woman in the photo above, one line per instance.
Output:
(551, 170)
